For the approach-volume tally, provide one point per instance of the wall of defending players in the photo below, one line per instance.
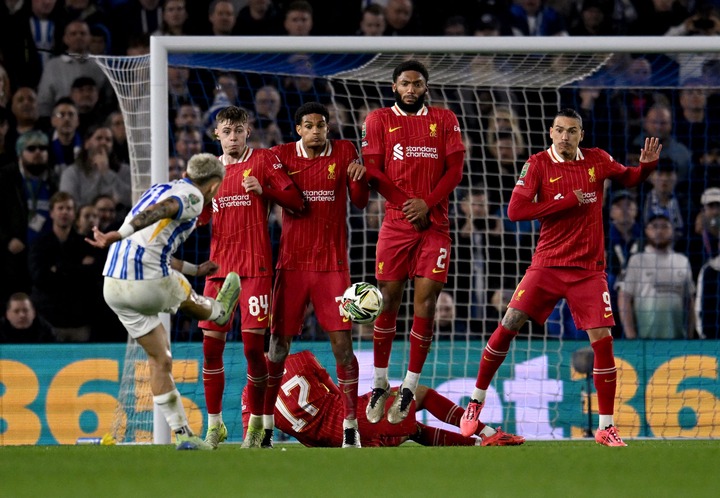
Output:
(52, 394)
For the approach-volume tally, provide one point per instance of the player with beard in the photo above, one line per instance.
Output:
(313, 259)
(414, 155)
(240, 243)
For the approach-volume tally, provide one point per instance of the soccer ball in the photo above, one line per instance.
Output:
(361, 302)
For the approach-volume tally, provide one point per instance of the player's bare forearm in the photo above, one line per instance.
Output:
(167, 208)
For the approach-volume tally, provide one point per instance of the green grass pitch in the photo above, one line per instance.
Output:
(646, 468)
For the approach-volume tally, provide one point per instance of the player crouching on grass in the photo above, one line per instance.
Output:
(142, 280)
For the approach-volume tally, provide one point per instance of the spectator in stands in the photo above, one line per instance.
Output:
(86, 96)
(267, 126)
(188, 115)
(505, 150)
(7, 154)
(178, 90)
(594, 19)
(44, 21)
(707, 302)
(706, 236)
(66, 141)
(60, 267)
(623, 240)
(134, 18)
(5, 89)
(221, 15)
(533, 18)
(693, 126)
(298, 18)
(176, 168)
(456, 26)
(106, 208)
(656, 17)
(61, 71)
(174, 17)
(655, 297)
(188, 142)
(97, 171)
(24, 106)
(704, 21)
(116, 123)
(25, 191)
(228, 85)
(21, 323)
(446, 324)
(489, 25)
(664, 196)
(658, 123)
(86, 219)
(400, 19)
(372, 22)
(258, 17)
(17, 45)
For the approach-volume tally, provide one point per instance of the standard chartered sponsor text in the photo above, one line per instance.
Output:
(319, 195)
(236, 200)
(425, 152)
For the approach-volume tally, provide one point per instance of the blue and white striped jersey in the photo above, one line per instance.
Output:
(145, 255)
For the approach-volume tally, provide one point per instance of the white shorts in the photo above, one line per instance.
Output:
(137, 303)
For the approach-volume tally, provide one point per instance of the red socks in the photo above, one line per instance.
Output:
(348, 383)
(213, 373)
(493, 355)
(434, 436)
(605, 375)
(383, 335)
(257, 372)
(420, 339)
(275, 373)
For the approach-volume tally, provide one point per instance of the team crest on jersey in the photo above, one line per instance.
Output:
(591, 173)
(193, 199)
(525, 169)
(433, 129)
(381, 264)
(331, 172)
(246, 173)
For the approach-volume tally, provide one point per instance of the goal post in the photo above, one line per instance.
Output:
(517, 79)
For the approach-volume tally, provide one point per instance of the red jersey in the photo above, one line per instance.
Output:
(414, 147)
(573, 235)
(309, 408)
(240, 240)
(316, 240)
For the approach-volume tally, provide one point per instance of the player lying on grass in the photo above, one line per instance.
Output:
(310, 409)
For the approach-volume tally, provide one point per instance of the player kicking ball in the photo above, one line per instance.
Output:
(142, 280)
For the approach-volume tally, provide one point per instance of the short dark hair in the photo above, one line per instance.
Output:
(300, 5)
(374, 9)
(233, 114)
(61, 196)
(410, 65)
(311, 108)
(569, 113)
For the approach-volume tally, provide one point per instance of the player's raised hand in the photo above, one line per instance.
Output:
(102, 240)
(355, 170)
(651, 151)
(252, 184)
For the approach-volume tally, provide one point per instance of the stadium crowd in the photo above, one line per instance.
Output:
(64, 158)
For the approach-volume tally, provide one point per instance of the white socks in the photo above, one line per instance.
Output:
(171, 407)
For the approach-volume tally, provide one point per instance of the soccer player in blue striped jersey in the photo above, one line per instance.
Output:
(142, 279)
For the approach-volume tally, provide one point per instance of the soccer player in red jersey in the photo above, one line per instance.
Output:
(414, 155)
(310, 409)
(240, 242)
(563, 188)
(312, 263)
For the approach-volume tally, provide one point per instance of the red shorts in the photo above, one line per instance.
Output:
(254, 303)
(294, 290)
(404, 253)
(586, 292)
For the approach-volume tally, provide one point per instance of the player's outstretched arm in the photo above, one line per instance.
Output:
(201, 270)
(649, 157)
(167, 208)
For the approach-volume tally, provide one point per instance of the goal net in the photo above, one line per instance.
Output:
(505, 93)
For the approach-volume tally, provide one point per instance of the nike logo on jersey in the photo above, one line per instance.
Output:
(291, 173)
(394, 129)
(260, 319)
(345, 319)
(553, 180)
(438, 270)
(607, 315)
